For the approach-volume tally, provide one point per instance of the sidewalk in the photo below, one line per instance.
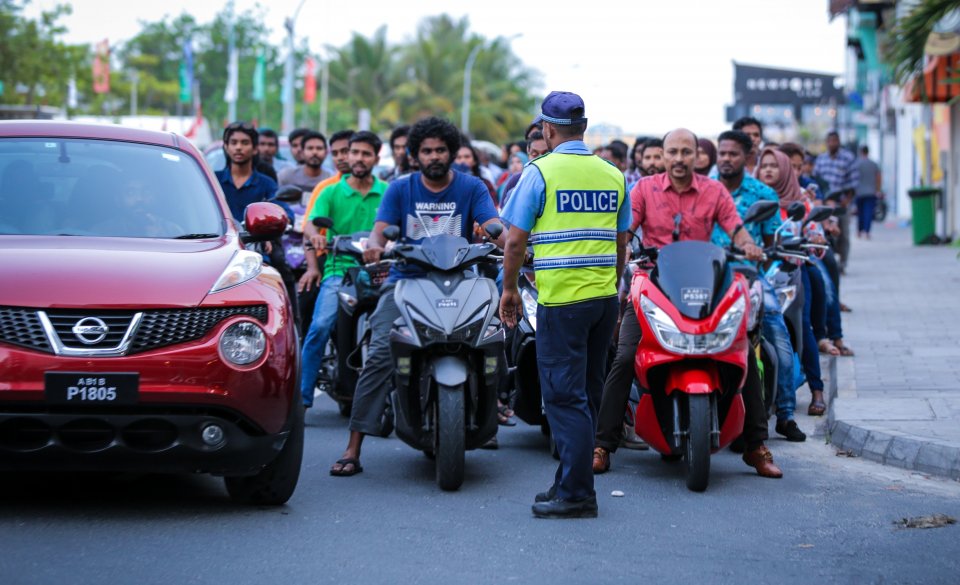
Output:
(898, 399)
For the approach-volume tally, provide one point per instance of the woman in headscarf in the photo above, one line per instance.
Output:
(776, 172)
(706, 157)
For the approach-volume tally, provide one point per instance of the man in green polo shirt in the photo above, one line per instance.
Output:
(352, 206)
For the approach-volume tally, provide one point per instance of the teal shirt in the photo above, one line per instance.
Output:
(350, 212)
(749, 192)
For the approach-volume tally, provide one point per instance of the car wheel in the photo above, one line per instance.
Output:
(275, 483)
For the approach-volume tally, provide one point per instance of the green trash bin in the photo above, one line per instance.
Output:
(923, 206)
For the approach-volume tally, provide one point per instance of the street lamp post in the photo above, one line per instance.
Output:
(465, 108)
(467, 71)
(288, 96)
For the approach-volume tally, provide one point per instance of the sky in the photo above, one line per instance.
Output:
(643, 65)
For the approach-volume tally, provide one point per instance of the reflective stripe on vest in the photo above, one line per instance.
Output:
(575, 238)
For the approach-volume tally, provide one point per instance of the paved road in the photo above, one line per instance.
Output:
(830, 520)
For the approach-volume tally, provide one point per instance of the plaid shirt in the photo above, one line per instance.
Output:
(840, 172)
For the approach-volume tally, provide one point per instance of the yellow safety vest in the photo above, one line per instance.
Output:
(575, 238)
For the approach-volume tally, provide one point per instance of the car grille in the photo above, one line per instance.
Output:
(22, 327)
(162, 328)
(117, 322)
(158, 328)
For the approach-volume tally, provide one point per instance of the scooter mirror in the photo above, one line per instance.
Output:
(391, 233)
(323, 222)
(794, 242)
(819, 213)
(838, 211)
(289, 193)
(761, 211)
(796, 211)
(494, 230)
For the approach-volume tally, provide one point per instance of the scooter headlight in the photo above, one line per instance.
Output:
(786, 296)
(672, 339)
(529, 307)
(756, 301)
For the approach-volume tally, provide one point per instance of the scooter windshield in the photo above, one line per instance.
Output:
(693, 275)
(445, 252)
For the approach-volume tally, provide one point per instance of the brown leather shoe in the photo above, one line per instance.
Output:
(601, 460)
(760, 459)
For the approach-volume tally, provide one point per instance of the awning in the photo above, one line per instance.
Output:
(935, 73)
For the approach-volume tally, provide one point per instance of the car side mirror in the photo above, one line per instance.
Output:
(323, 222)
(263, 221)
(494, 230)
(391, 233)
(796, 211)
(761, 211)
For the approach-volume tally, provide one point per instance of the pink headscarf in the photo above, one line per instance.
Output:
(787, 186)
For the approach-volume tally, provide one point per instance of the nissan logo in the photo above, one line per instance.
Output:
(90, 330)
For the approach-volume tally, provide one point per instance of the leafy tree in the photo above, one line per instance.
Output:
(905, 52)
(34, 63)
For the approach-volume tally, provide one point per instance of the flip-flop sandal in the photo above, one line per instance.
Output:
(844, 350)
(505, 416)
(827, 347)
(817, 408)
(343, 471)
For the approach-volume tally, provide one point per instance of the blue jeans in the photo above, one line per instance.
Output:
(811, 354)
(775, 331)
(866, 206)
(324, 318)
(832, 319)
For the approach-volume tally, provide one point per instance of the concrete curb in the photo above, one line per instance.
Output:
(875, 443)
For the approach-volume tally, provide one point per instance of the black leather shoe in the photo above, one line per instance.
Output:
(560, 508)
(791, 431)
(547, 495)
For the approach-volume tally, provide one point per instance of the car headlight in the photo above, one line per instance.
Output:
(244, 266)
(243, 343)
(672, 339)
(786, 296)
(529, 307)
(756, 301)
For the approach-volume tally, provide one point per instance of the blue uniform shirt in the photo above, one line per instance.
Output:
(258, 187)
(749, 192)
(530, 195)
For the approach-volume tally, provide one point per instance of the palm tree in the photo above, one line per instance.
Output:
(905, 52)
(364, 72)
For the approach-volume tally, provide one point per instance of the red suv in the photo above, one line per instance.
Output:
(137, 332)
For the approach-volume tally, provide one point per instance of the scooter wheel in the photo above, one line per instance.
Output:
(345, 408)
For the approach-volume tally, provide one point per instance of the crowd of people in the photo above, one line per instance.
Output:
(438, 171)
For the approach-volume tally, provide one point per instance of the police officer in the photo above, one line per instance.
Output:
(571, 205)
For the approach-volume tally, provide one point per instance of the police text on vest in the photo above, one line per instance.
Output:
(586, 201)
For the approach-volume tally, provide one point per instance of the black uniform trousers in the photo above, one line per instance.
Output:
(572, 343)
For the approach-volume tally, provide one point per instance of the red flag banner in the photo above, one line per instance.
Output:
(310, 81)
(101, 67)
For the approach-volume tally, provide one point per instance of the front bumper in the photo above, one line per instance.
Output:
(162, 440)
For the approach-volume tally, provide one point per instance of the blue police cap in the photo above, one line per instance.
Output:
(559, 108)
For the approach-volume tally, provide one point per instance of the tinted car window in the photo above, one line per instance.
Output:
(82, 187)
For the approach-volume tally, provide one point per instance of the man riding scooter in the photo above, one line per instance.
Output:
(352, 206)
(733, 148)
(671, 206)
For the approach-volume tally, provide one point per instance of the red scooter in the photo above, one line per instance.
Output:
(693, 306)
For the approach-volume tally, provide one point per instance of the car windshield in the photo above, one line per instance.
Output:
(103, 188)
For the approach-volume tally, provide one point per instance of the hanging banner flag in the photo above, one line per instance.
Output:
(101, 67)
(186, 73)
(259, 77)
(310, 81)
(230, 93)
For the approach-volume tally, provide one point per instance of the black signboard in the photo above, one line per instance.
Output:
(764, 85)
